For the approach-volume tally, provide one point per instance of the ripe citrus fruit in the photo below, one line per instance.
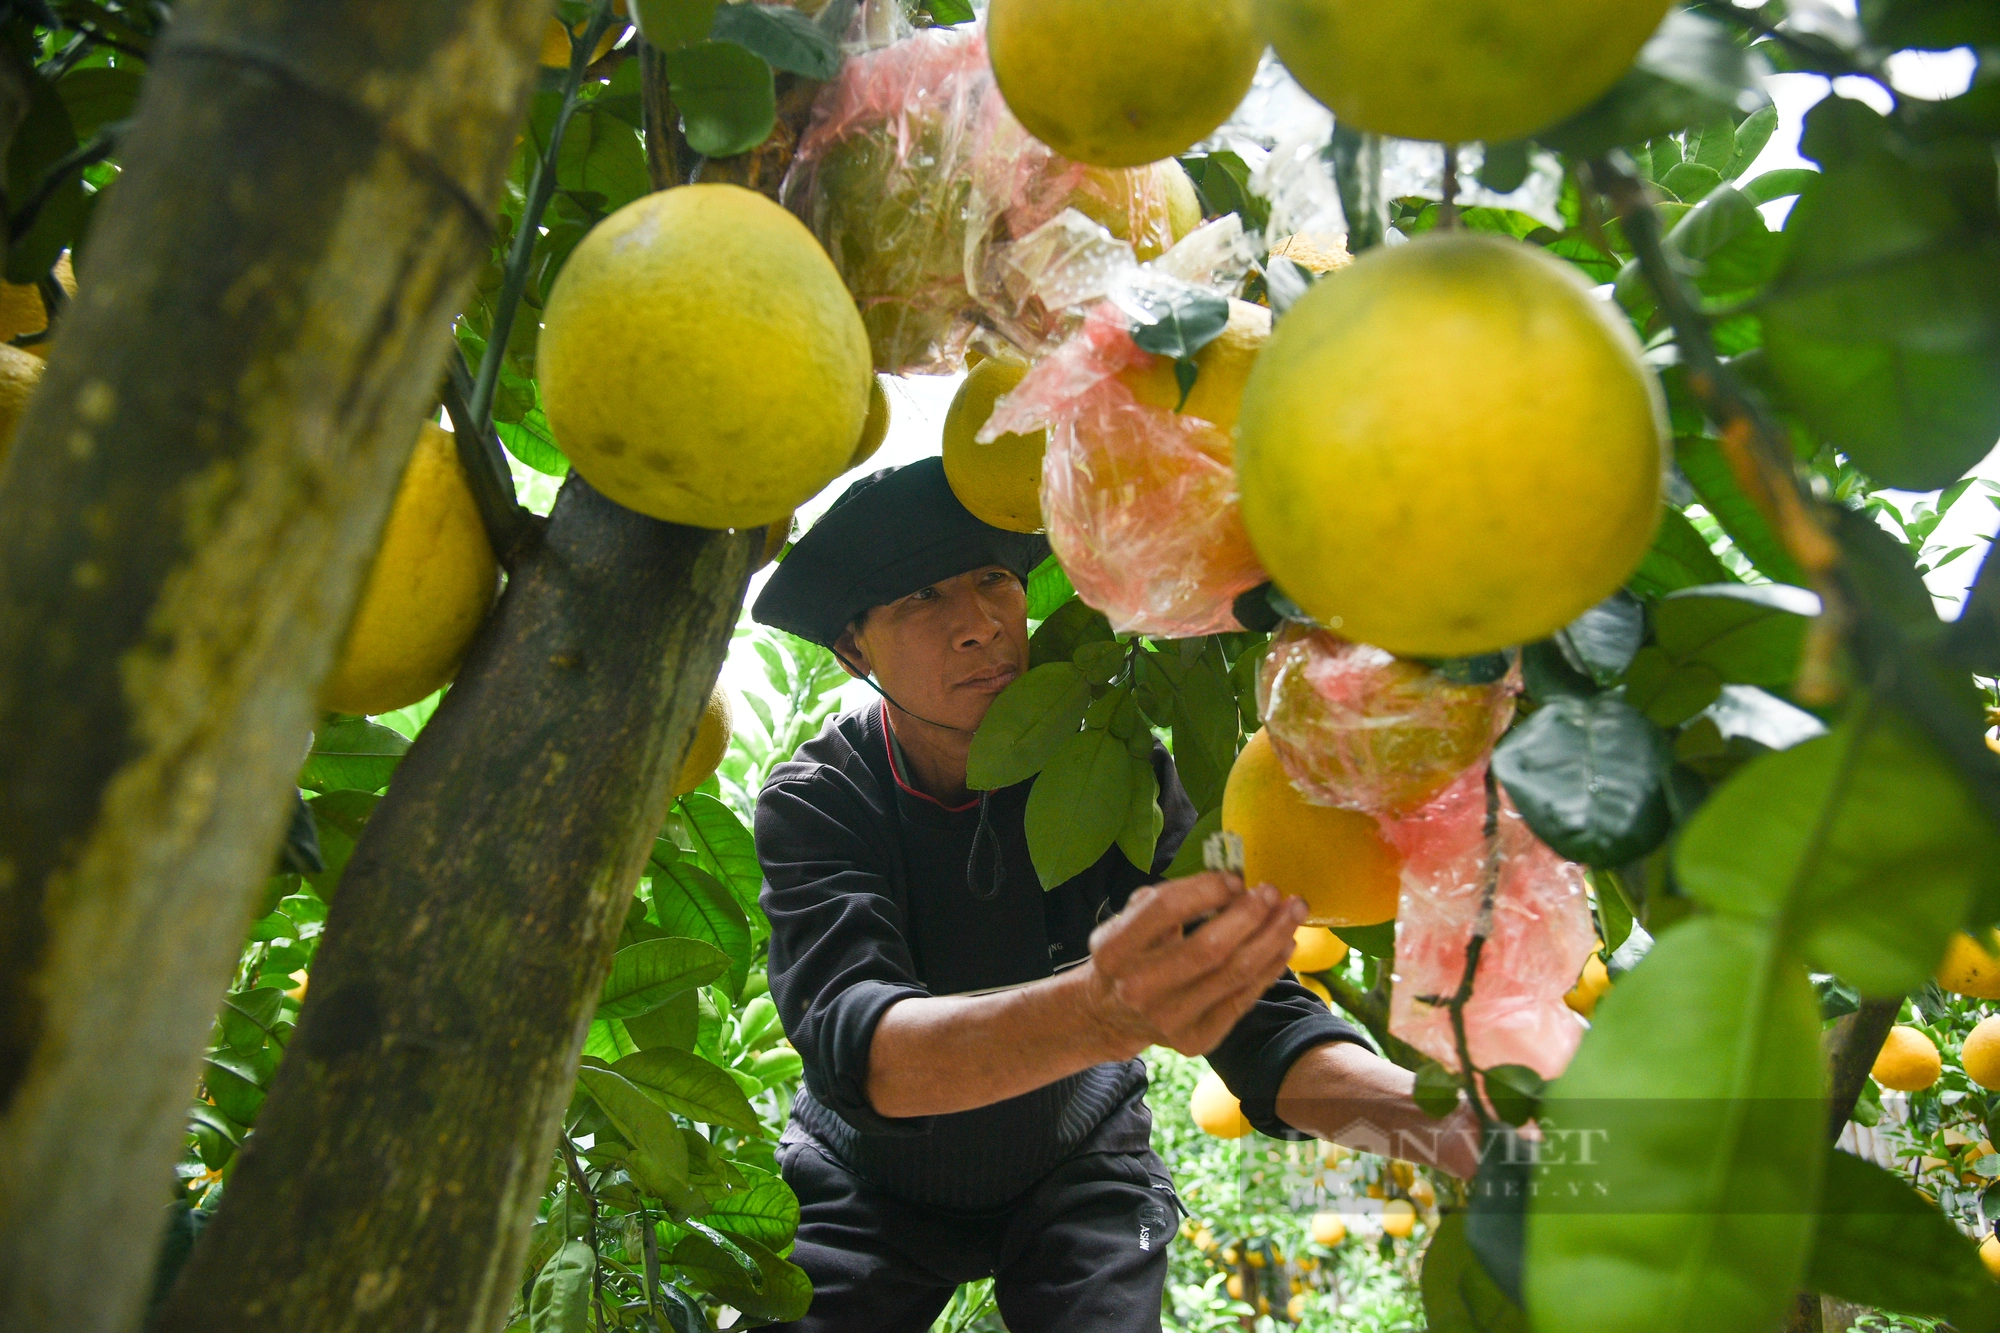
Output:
(875, 428)
(1909, 1061)
(1399, 1218)
(1457, 70)
(1980, 1055)
(433, 580)
(1315, 949)
(1001, 482)
(1328, 1229)
(19, 374)
(1968, 969)
(1422, 1193)
(1414, 422)
(1221, 369)
(22, 311)
(1235, 1286)
(710, 743)
(1989, 1254)
(700, 361)
(1295, 1308)
(1122, 85)
(1215, 1108)
(1590, 987)
(1318, 987)
(775, 537)
(1337, 860)
(556, 39)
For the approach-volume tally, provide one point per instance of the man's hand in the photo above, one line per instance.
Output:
(1152, 984)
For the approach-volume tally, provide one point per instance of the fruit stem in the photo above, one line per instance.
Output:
(541, 189)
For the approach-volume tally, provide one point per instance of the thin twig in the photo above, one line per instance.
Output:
(100, 147)
(512, 529)
(582, 1185)
(1448, 209)
(122, 36)
(1475, 945)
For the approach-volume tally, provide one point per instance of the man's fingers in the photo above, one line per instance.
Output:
(1156, 914)
(1177, 992)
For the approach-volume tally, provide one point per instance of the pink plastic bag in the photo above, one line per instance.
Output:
(1359, 728)
(1140, 501)
(1540, 935)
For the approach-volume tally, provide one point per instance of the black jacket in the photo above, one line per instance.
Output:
(865, 884)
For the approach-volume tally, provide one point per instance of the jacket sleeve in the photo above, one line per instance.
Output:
(839, 955)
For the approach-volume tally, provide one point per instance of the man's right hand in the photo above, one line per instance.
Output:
(1151, 983)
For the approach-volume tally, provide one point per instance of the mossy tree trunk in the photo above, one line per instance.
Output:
(185, 521)
(410, 1131)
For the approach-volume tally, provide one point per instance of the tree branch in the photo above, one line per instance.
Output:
(1852, 1044)
(511, 528)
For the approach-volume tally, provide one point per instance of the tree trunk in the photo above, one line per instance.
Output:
(1851, 1047)
(188, 513)
(408, 1135)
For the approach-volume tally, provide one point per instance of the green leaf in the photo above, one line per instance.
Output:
(1931, 25)
(1377, 941)
(658, 1157)
(1140, 836)
(1701, 461)
(530, 440)
(601, 154)
(945, 13)
(1048, 588)
(1728, 248)
(727, 100)
(1505, 168)
(1078, 805)
(781, 1292)
(1862, 844)
(560, 1301)
(42, 140)
(353, 754)
(1188, 856)
(233, 1083)
(691, 903)
(1700, 1086)
(1025, 726)
(1437, 1092)
(645, 976)
(1068, 628)
(1670, 692)
(609, 1040)
(1600, 642)
(766, 1212)
(96, 96)
(674, 1024)
(1515, 1092)
(726, 850)
(1587, 775)
(1883, 328)
(339, 816)
(1206, 724)
(1749, 138)
(670, 24)
(1180, 323)
(1881, 1244)
(1458, 1296)
(1780, 184)
(1222, 180)
(1691, 72)
(1751, 634)
(685, 1083)
(1679, 558)
(783, 36)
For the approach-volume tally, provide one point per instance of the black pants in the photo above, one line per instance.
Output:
(1083, 1251)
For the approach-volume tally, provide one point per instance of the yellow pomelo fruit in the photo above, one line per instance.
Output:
(1450, 447)
(1318, 987)
(1457, 70)
(432, 583)
(1328, 1229)
(1422, 1193)
(710, 743)
(1122, 85)
(1980, 1055)
(1968, 969)
(1222, 368)
(19, 374)
(1909, 1061)
(875, 428)
(556, 43)
(1589, 988)
(1215, 1108)
(1295, 1308)
(1337, 860)
(1234, 1286)
(1989, 1254)
(700, 361)
(22, 311)
(1399, 1218)
(1001, 482)
(1183, 203)
(1315, 949)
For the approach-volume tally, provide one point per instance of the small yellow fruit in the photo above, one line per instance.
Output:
(1411, 420)
(433, 580)
(1122, 85)
(19, 374)
(1328, 1229)
(556, 40)
(1295, 1308)
(1315, 949)
(1589, 988)
(875, 429)
(1423, 1194)
(710, 743)
(1968, 969)
(1215, 1109)
(1399, 1218)
(22, 310)
(1001, 482)
(1980, 1055)
(1235, 1286)
(700, 360)
(1221, 368)
(1457, 70)
(1255, 1258)
(1909, 1060)
(1318, 987)
(1230, 1256)
(1337, 860)
(1204, 1240)
(1402, 1173)
(298, 992)
(1989, 1254)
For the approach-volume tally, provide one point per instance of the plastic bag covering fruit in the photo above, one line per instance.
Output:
(1536, 944)
(1362, 729)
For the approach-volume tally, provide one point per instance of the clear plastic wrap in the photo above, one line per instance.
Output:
(1360, 728)
(1140, 501)
(1539, 937)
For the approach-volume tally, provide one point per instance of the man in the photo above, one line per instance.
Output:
(971, 1103)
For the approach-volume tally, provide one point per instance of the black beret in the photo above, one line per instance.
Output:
(889, 534)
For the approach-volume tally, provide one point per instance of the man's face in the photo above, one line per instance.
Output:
(943, 652)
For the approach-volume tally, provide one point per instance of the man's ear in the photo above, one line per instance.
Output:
(847, 651)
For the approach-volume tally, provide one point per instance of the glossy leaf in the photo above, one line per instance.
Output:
(781, 1292)
(765, 1211)
(1140, 835)
(1188, 857)
(727, 100)
(691, 903)
(339, 816)
(1751, 634)
(658, 1157)
(1883, 1245)
(689, 1085)
(1048, 588)
(1078, 805)
(41, 140)
(1701, 1076)
(1702, 463)
(1068, 628)
(786, 38)
(560, 1299)
(1600, 642)
(353, 754)
(645, 976)
(1587, 774)
(669, 24)
(1179, 324)
(725, 849)
(1678, 558)
(1669, 692)
(1026, 725)
(601, 154)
